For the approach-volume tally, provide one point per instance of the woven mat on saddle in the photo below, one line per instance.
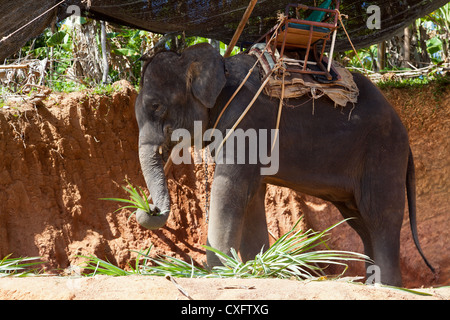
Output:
(341, 91)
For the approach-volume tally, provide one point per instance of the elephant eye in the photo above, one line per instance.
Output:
(159, 109)
(156, 107)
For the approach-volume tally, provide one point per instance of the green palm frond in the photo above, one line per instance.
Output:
(138, 199)
(18, 267)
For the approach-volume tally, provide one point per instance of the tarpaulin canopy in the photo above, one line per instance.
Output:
(22, 20)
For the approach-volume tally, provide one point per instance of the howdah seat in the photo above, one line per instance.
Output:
(305, 35)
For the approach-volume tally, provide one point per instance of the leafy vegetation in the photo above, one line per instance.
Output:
(291, 256)
(425, 42)
(73, 53)
(68, 48)
(138, 200)
(18, 267)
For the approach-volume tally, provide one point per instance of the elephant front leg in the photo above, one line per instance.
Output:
(226, 217)
(255, 236)
(231, 197)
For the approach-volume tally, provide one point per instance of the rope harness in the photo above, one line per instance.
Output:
(340, 15)
(278, 67)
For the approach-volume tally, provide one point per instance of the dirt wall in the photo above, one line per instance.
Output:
(57, 160)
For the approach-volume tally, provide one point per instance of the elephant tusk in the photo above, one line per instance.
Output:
(160, 150)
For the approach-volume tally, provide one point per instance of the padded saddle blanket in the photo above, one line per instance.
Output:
(341, 91)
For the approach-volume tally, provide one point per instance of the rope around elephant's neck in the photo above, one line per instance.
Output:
(205, 159)
(281, 21)
(206, 186)
(249, 106)
(277, 67)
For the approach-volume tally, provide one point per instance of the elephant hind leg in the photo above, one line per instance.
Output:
(254, 234)
(356, 222)
(386, 256)
(382, 207)
(380, 234)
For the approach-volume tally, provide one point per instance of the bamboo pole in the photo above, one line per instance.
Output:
(330, 58)
(14, 66)
(240, 28)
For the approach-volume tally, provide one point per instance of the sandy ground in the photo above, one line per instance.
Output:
(160, 288)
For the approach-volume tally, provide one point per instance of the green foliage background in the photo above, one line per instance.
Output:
(126, 46)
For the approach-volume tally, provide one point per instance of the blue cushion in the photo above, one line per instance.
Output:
(317, 15)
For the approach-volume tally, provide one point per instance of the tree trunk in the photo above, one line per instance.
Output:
(104, 53)
(424, 57)
(415, 56)
(381, 56)
(406, 47)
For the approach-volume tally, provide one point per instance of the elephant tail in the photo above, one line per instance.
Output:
(411, 196)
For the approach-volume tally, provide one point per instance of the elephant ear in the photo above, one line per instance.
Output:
(205, 75)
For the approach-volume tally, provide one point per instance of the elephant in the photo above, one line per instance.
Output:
(358, 158)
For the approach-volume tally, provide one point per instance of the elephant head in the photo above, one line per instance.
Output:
(176, 90)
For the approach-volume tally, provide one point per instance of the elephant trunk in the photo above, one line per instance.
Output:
(153, 170)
